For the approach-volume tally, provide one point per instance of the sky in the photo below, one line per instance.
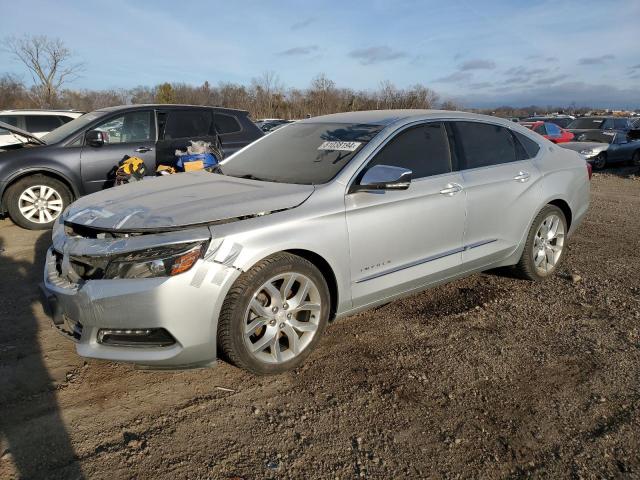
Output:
(477, 53)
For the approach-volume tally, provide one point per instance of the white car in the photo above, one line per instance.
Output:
(37, 122)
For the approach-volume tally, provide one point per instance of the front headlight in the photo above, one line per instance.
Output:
(587, 152)
(165, 261)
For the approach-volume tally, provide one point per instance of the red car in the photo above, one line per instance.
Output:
(550, 131)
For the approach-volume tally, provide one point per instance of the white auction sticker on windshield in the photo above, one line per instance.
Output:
(340, 146)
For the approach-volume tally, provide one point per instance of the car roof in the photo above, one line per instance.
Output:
(169, 106)
(389, 117)
(36, 111)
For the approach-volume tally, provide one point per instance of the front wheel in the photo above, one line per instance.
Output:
(635, 161)
(600, 161)
(545, 245)
(36, 201)
(274, 315)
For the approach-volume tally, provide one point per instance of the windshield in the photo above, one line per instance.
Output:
(67, 129)
(586, 123)
(304, 153)
(596, 136)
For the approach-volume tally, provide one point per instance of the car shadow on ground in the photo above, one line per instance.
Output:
(32, 431)
(620, 171)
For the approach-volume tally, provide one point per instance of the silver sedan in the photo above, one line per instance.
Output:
(325, 218)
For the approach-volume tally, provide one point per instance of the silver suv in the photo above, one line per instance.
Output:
(321, 219)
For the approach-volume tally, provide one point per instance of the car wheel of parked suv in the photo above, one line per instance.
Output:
(274, 315)
(545, 245)
(600, 161)
(35, 202)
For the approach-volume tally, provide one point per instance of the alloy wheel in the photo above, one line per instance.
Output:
(548, 244)
(282, 318)
(40, 204)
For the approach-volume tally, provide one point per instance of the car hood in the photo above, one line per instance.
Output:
(22, 133)
(182, 200)
(578, 146)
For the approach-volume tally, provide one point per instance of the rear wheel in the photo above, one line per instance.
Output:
(36, 201)
(600, 161)
(274, 315)
(545, 245)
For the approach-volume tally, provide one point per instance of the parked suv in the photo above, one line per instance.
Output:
(39, 178)
(584, 126)
(36, 122)
(319, 220)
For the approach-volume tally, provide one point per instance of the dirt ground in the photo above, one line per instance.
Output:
(487, 377)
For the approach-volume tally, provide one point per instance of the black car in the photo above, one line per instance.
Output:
(562, 122)
(39, 178)
(584, 126)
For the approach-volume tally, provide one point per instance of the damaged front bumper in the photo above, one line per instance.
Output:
(182, 309)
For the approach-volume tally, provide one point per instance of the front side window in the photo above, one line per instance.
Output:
(129, 127)
(621, 123)
(423, 149)
(303, 153)
(483, 144)
(188, 124)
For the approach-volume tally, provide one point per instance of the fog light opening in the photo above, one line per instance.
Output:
(135, 337)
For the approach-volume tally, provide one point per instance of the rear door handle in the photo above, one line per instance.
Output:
(451, 189)
(143, 149)
(522, 177)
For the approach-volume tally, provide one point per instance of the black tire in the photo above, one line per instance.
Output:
(600, 162)
(230, 338)
(525, 268)
(635, 161)
(14, 202)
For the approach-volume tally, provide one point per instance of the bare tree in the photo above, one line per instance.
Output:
(49, 62)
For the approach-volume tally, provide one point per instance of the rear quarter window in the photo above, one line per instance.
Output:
(525, 147)
(226, 124)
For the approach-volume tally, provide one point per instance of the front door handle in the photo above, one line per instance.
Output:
(143, 149)
(522, 177)
(451, 189)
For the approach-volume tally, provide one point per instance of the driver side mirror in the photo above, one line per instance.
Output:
(384, 177)
(95, 138)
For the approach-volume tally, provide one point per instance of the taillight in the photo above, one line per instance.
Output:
(589, 170)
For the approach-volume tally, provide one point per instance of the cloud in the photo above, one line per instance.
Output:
(596, 60)
(551, 80)
(542, 58)
(481, 85)
(303, 23)
(309, 49)
(455, 77)
(635, 67)
(521, 71)
(377, 54)
(561, 94)
(478, 64)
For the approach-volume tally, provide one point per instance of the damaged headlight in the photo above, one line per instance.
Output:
(165, 261)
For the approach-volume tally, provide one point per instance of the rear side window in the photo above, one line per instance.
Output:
(41, 123)
(188, 124)
(64, 119)
(525, 147)
(484, 144)
(226, 124)
(423, 149)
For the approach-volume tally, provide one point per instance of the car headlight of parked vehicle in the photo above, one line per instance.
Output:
(165, 261)
(588, 152)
